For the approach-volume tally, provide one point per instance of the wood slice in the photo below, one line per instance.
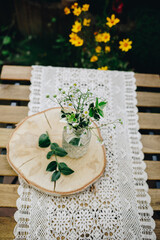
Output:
(30, 162)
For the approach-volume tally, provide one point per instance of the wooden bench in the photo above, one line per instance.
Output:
(148, 96)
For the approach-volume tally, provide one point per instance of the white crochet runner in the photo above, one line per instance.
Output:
(119, 208)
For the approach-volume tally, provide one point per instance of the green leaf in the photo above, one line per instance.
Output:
(100, 112)
(5, 52)
(53, 19)
(49, 154)
(102, 104)
(60, 152)
(6, 40)
(91, 112)
(56, 175)
(64, 169)
(74, 141)
(44, 141)
(54, 145)
(96, 102)
(51, 166)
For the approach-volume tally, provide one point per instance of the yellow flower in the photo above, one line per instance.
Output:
(86, 22)
(112, 21)
(76, 27)
(93, 58)
(77, 11)
(67, 11)
(85, 7)
(98, 49)
(125, 45)
(105, 37)
(75, 40)
(79, 42)
(98, 37)
(103, 68)
(107, 49)
(75, 5)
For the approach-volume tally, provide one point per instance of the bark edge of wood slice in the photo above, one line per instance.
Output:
(30, 162)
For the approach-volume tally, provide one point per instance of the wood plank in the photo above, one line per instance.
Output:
(155, 198)
(16, 73)
(14, 92)
(151, 144)
(8, 195)
(7, 225)
(5, 136)
(12, 114)
(5, 169)
(153, 170)
(24, 73)
(148, 99)
(149, 120)
(147, 80)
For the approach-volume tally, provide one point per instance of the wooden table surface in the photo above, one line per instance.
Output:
(14, 97)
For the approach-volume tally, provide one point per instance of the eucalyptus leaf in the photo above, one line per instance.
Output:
(44, 141)
(74, 141)
(51, 166)
(64, 169)
(54, 145)
(55, 176)
(49, 154)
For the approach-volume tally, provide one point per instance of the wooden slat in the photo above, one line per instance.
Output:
(4, 136)
(151, 144)
(155, 198)
(14, 92)
(8, 195)
(149, 120)
(24, 73)
(153, 170)
(12, 114)
(148, 99)
(7, 225)
(5, 169)
(16, 73)
(147, 80)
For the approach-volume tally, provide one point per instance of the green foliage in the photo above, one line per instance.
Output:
(54, 166)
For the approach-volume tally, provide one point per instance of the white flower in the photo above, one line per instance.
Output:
(63, 120)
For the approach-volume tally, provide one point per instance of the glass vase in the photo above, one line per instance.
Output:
(76, 142)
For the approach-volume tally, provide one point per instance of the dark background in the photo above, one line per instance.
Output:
(33, 27)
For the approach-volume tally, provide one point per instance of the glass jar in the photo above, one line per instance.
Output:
(76, 142)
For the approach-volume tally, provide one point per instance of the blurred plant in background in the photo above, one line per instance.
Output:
(37, 32)
(97, 39)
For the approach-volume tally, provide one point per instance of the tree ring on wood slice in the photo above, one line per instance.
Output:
(30, 162)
